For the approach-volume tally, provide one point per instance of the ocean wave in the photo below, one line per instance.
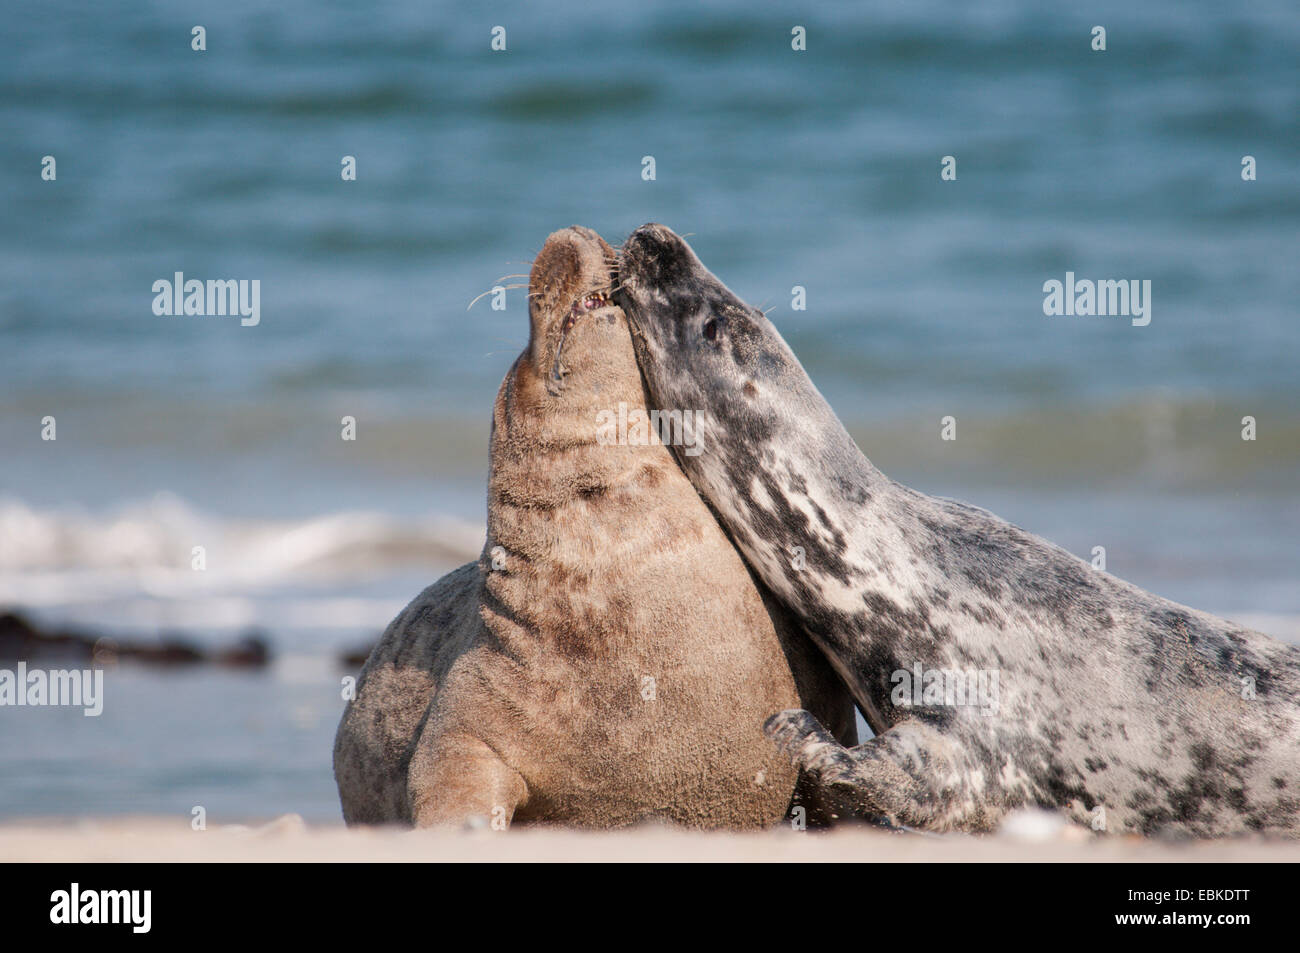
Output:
(56, 555)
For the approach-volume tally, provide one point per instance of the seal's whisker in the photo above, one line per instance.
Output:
(476, 297)
(491, 290)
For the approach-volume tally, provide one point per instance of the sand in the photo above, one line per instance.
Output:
(289, 839)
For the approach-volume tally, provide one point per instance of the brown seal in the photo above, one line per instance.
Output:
(609, 657)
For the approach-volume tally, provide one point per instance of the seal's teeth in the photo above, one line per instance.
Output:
(590, 302)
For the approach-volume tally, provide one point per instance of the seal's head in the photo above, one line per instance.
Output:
(577, 335)
(578, 365)
(772, 450)
(702, 347)
(688, 318)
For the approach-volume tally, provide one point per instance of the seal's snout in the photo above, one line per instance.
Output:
(573, 265)
(571, 277)
(653, 235)
(654, 256)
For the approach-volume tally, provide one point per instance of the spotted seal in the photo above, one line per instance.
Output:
(609, 657)
(1129, 712)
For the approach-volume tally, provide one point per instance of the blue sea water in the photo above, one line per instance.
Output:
(818, 169)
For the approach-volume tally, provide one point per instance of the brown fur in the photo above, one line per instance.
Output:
(517, 693)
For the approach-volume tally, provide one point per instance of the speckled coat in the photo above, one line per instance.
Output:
(1132, 712)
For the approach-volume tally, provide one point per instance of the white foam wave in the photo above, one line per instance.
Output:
(68, 555)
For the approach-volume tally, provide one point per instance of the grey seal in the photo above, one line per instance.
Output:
(1126, 710)
(609, 658)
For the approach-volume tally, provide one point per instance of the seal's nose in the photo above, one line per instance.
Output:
(583, 233)
(653, 238)
(655, 231)
(654, 255)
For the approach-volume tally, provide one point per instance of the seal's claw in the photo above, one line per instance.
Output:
(788, 729)
(809, 746)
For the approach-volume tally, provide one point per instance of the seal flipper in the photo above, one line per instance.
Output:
(457, 780)
(894, 777)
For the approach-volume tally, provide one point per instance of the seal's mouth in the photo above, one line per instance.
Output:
(593, 301)
(597, 299)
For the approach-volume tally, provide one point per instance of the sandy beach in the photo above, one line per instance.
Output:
(289, 839)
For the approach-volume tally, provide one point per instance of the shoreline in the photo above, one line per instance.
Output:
(289, 839)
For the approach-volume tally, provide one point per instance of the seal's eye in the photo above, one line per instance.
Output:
(711, 328)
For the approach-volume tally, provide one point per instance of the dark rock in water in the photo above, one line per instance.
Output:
(251, 651)
(20, 639)
(172, 650)
(354, 658)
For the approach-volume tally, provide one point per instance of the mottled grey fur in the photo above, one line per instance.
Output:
(1128, 711)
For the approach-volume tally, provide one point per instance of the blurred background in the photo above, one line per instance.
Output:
(818, 169)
